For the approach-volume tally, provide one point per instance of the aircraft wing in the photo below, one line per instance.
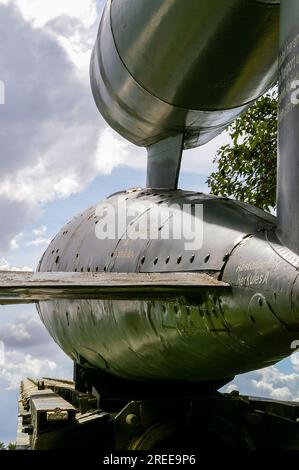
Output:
(26, 287)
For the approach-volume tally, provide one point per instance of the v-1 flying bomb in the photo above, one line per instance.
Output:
(149, 317)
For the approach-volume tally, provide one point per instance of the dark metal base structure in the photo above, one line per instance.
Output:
(62, 415)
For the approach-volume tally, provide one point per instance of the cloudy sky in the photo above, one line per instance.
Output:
(57, 157)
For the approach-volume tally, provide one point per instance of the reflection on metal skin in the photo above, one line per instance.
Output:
(161, 68)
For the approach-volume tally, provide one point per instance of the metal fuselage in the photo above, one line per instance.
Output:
(167, 75)
(206, 338)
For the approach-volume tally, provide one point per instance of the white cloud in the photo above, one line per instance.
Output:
(29, 350)
(295, 361)
(39, 231)
(271, 382)
(25, 332)
(49, 127)
(40, 241)
(17, 366)
(76, 39)
(113, 151)
(71, 23)
(275, 384)
(14, 243)
(40, 12)
(5, 266)
(17, 331)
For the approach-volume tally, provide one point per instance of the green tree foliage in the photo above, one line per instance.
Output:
(11, 446)
(247, 166)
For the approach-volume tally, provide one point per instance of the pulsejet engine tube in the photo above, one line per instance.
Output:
(164, 67)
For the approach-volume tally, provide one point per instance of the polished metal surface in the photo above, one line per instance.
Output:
(198, 54)
(226, 222)
(164, 163)
(202, 335)
(288, 155)
(160, 68)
